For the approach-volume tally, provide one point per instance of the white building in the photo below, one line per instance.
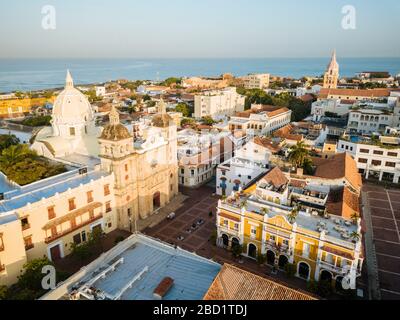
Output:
(301, 91)
(199, 153)
(218, 103)
(260, 120)
(100, 91)
(256, 81)
(375, 159)
(320, 108)
(249, 162)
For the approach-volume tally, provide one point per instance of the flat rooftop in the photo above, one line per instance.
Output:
(46, 188)
(136, 266)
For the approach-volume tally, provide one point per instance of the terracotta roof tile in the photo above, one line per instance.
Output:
(276, 178)
(233, 283)
(372, 93)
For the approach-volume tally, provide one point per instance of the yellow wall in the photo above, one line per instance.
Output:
(21, 105)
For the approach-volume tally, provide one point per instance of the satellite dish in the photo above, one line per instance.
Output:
(346, 283)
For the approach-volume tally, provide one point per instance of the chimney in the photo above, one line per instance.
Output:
(300, 172)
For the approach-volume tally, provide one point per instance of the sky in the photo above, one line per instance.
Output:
(198, 29)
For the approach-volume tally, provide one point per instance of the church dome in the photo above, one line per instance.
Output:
(162, 119)
(115, 130)
(71, 104)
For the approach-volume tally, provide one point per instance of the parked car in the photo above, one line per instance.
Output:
(200, 222)
(171, 216)
(180, 238)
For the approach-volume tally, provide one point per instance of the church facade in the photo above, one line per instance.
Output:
(115, 177)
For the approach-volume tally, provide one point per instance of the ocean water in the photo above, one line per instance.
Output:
(33, 74)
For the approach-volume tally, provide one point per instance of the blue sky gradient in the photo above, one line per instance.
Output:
(198, 29)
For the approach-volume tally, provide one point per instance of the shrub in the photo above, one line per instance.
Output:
(237, 250)
(213, 237)
(261, 258)
(290, 270)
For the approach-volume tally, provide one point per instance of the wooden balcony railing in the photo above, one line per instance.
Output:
(69, 230)
(26, 226)
(29, 246)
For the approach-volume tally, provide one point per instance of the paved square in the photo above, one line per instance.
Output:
(384, 208)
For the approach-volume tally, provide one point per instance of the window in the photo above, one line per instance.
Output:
(72, 223)
(226, 223)
(253, 231)
(376, 162)
(25, 224)
(364, 150)
(108, 206)
(126, 167)
(306, 250)
(77, 238)
(392, 154)
(361, 160)
(182, 171)
(236, 226)
(106, 189)
(285, 242)
(1, 242)
(89, 195)
(390, 164)
(28, 243)
(71, 204)
(51, 213)
(272, 238)
(72, 131)
(91, 214)
(378, 152)
(83, 236)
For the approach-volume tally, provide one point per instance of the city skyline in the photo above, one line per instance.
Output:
(241, 29)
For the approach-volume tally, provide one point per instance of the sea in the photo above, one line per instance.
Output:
(37, 74)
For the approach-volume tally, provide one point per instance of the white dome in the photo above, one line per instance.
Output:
(71, 105)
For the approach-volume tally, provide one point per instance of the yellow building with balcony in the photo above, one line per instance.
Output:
(287, 221)
(10, 108)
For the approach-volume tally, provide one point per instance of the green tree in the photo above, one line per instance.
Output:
(293, 215)
(184, 108)
(15, 153)
(170, 81)
(290, 270)
(297, 154)
(7, 140)
(237, 250)
(38, 121)
(31, 277)
(207, 120)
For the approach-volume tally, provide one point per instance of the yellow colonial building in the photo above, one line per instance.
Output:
(18, 107)
(293, 221)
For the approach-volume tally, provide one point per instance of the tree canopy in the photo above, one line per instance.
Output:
(38, 121)
(185, 109)
(24, 166)
(7, 140)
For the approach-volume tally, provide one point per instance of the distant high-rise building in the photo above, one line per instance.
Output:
(331, 75)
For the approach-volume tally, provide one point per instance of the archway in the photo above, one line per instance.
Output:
(156, 200)
(304, 270)
(252, 251)
(283, 261)
(270, 257)
(325, 276)
(225, 240)
(235, 242)
(338, 283)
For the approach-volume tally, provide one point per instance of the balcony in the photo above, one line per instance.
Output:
(69, 230)
(29, 246)
(230, 231)
(330, 267)
(271, 245)
(2, 267)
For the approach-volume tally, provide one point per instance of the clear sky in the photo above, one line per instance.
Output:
(198, 28)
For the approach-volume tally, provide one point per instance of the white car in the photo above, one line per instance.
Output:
(171, 216)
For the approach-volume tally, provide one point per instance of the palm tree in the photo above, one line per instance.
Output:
(298, 154)
(355, 236)
(243, 204)
(293, 215)
(14, 154)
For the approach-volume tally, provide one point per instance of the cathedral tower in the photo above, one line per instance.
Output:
(331, 76)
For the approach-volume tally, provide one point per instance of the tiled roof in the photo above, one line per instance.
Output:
(344, 167)
(372, 93)
(267, 143)
(286, 133)
(277, 112)
(275, 177)
(233, 283)
(343, 203)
